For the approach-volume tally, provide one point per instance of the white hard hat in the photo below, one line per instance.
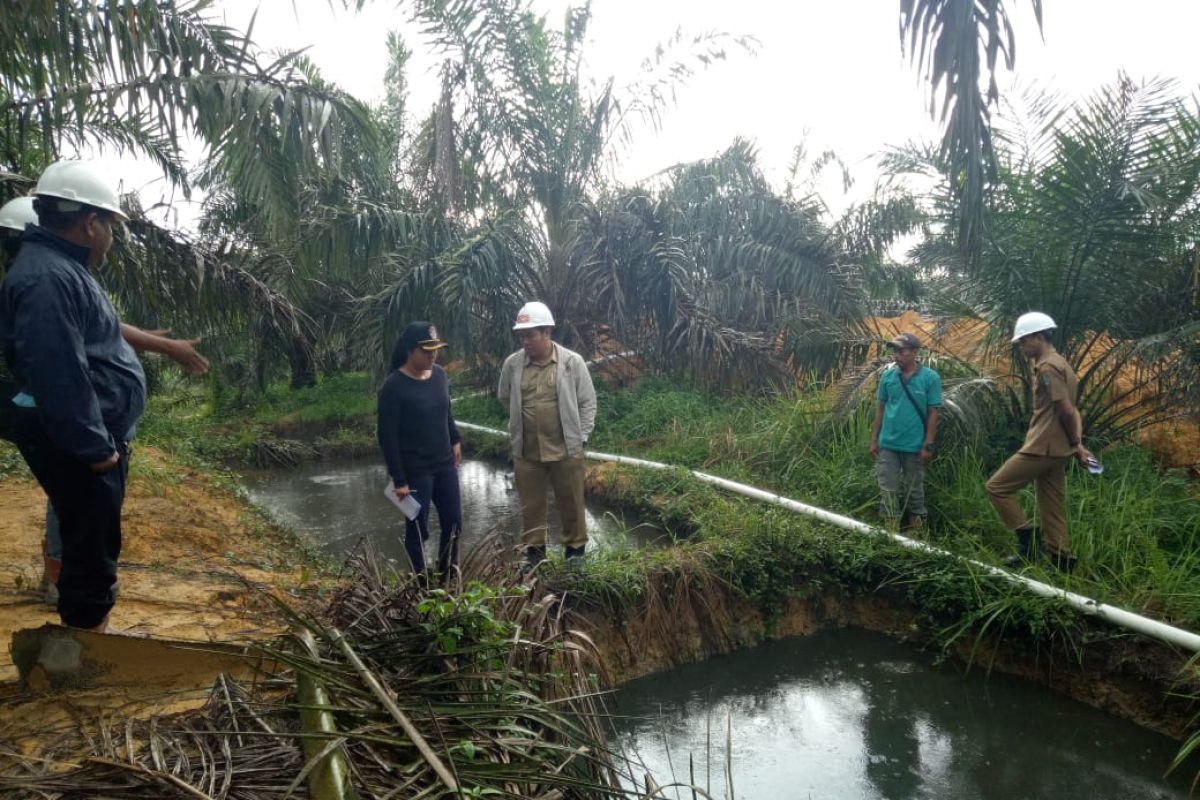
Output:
(81, 182)
(533, 315)
(17, 213)
(1032, 322)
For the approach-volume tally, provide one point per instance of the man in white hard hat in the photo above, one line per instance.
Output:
(64, 343)
(16, 216)
(551, 412)
(1055, 435)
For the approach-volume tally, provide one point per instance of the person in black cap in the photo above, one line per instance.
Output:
(904, 432)
(421, 444)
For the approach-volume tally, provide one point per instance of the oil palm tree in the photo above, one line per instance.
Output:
(530, 144)
(140, 75)
(716, 274)
(1094, 219)
(146, 78)
(952, 40)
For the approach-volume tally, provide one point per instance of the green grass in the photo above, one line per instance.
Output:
(338, 411)
(1136, 529)
(346, 399)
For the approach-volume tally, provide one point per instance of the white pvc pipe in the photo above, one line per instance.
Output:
(1085, 605)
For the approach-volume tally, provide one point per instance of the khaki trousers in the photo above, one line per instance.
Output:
(533, 478)
(1049, 474)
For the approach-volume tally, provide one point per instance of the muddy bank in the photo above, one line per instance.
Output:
(680, 622)
(1131, 677)
(197, 565)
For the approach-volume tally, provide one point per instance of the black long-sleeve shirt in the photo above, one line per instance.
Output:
(62, 339)
(416, 427)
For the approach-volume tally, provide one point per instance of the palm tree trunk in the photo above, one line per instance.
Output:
(304, 368)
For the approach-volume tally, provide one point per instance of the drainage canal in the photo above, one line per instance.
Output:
(335, 502)
(853, 714)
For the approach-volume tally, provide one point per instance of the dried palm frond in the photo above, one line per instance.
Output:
(432, 692)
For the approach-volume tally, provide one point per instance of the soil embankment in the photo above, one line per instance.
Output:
(682, 619)
(196, 565)
(1132, 677)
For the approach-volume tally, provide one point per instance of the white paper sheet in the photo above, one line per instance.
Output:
(408, 506)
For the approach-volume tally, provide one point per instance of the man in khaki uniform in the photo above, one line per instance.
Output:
(1055, 435)
(551, 412)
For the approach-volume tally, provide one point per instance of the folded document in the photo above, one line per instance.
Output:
(408, 506)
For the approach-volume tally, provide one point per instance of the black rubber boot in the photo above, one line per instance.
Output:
(574, 556)
(1061, 562)
(1026, 548)
(533, 556)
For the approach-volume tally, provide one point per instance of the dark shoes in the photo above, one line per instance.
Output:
(1026, 548)
(536, 555)
(1061, 562)
(532, 557)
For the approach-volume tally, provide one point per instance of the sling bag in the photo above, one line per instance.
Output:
(913, 400)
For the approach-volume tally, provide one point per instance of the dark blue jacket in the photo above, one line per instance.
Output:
(62, 339)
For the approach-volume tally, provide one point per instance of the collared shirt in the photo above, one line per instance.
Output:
(1054, 380)
(62, 339)
(903, 429)
(541, 423)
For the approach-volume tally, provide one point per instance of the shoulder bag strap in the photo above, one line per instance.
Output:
(911, 399)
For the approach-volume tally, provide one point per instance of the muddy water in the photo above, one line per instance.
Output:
(856, 715)
(337, 502)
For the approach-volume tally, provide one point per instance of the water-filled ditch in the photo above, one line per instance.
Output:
(851, 714)
(842, 713)
(336, 502)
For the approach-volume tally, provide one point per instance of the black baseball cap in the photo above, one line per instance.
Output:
(905, 341)
(423, 335)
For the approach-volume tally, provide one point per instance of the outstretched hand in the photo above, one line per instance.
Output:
(183, 352)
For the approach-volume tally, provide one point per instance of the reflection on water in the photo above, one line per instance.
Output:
(337, 502)
(853, 714)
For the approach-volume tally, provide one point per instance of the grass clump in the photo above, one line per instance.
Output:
(1136, 529)
(345, 399)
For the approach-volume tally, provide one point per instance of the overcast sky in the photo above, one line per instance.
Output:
(831, 68)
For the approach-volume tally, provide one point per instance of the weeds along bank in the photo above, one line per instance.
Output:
(746, 571)
(1136, 529)
(277, 428)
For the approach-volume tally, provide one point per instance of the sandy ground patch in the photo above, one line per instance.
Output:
(195, 565)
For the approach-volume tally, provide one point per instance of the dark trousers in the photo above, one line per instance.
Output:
(438, 488)
(88, 507)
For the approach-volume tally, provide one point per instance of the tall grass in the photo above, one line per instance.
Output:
(1136, 529)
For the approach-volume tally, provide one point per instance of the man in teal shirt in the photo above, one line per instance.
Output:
(902, 437)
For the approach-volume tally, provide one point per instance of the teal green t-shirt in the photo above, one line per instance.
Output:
(902, 429)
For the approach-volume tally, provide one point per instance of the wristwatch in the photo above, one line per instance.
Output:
(930, 446)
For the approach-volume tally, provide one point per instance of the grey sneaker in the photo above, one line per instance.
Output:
(574, 556)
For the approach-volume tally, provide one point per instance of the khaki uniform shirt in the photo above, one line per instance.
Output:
(541, 424)
(1054, 380)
